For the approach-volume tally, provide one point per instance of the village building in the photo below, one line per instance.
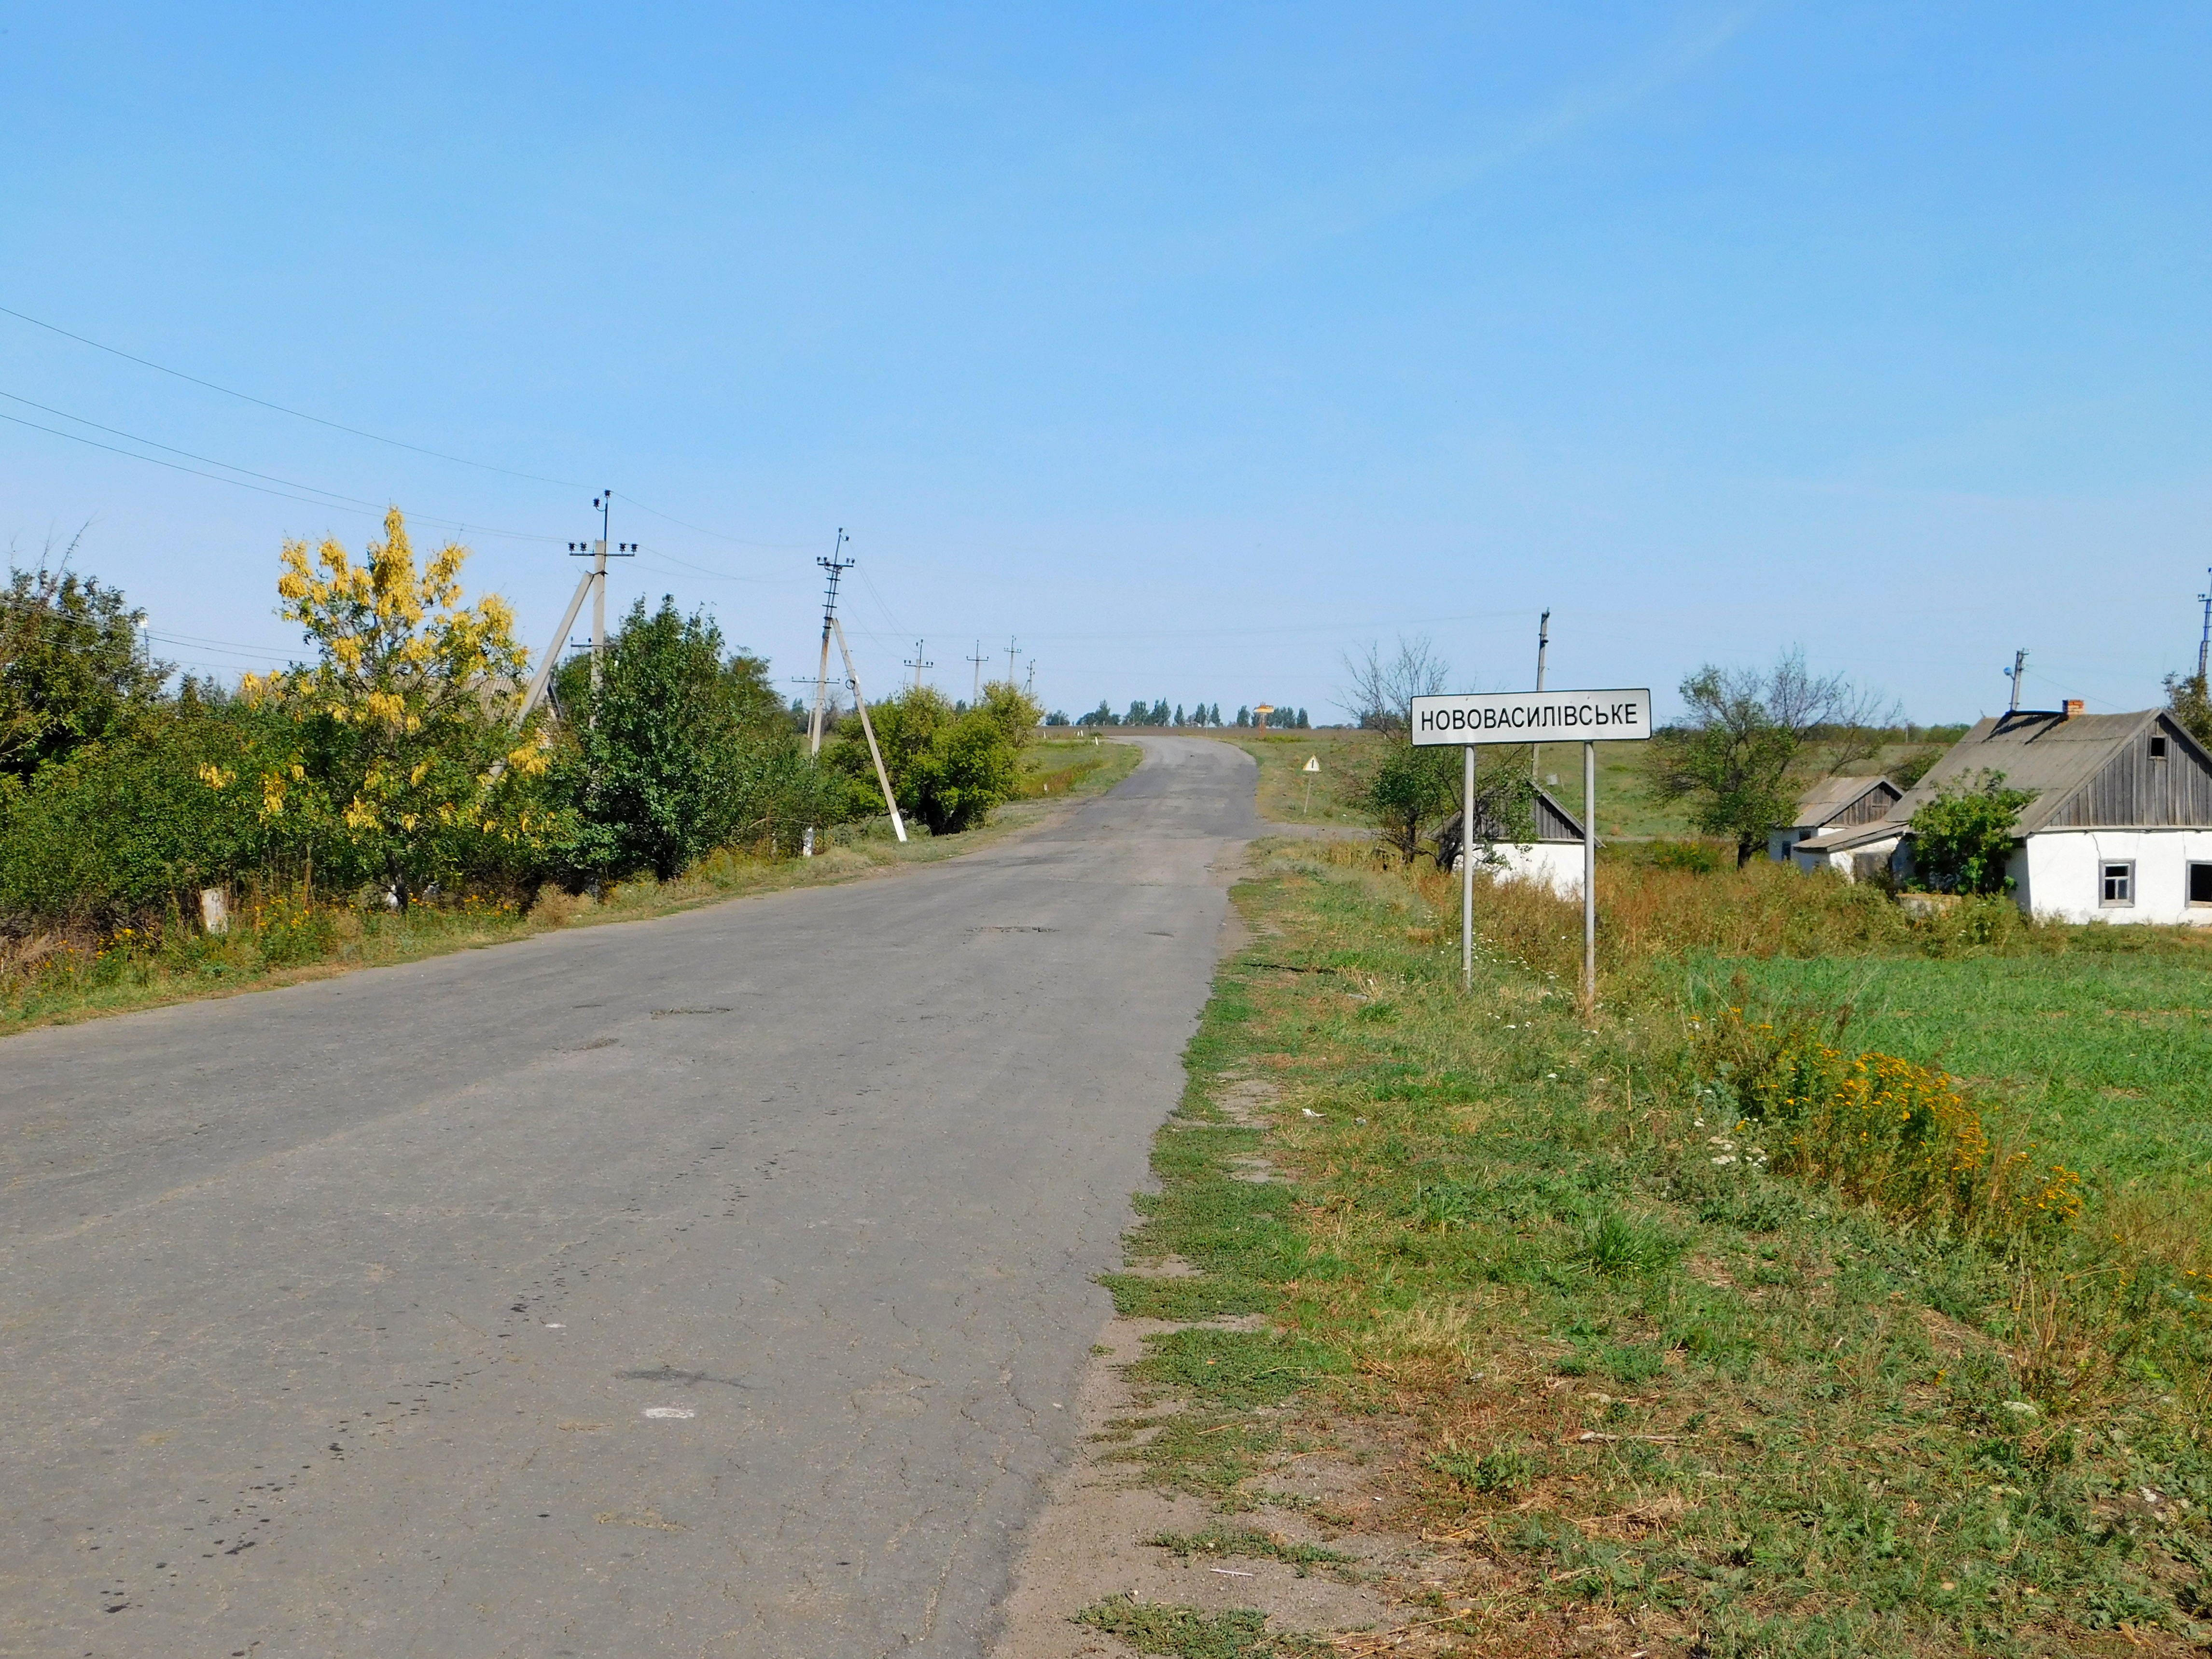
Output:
(1833, 804)
(1553, 856)
(2119, 829)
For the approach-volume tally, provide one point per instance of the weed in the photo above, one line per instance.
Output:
(1157, 1627)
(1217, 1539)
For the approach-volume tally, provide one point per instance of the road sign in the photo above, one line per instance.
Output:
(1465, 722)
(1313, 763)
(1533, 717)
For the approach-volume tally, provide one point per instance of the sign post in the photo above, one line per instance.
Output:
(1512, 717)
(1312, 766)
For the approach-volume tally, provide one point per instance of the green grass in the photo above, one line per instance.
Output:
(1632, 1377)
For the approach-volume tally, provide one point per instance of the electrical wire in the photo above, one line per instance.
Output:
(335, 501)
(359, 432)
(297, 414)
(715, 535)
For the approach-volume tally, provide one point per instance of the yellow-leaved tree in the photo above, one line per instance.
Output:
(407, 765)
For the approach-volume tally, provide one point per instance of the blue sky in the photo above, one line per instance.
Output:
(1190, 346)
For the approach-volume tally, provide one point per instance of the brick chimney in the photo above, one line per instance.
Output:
(2073, 706)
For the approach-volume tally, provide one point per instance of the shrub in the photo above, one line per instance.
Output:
(1872, 1127)
(679, 751)
(948, 770)
(1963, 840)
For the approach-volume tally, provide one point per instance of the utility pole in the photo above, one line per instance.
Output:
(836, 565)
(2204, 643)
(979, 660)
(1011, 649)
(1543, 644)
(1029, 691)
(594, 583)
(2016, 673)
(867, 726)
(916, 663)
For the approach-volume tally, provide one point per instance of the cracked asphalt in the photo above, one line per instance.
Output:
(716, 1284)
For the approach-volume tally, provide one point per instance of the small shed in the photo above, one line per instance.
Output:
(2119, 829)
(1554, 857)
(1833, 804)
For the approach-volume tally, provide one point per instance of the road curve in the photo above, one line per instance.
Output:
(705, 1286)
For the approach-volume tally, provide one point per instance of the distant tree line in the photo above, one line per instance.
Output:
(1143, 713)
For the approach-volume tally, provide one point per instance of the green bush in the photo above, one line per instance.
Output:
(1963, 840)
(948, 770)
(678, 751)
(131, 825)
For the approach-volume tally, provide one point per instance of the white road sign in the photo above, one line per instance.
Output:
(1533, 717)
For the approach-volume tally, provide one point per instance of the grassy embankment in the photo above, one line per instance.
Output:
(275, 940)
(1661, 1381)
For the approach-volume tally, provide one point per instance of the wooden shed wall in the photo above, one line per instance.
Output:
(1868, 808)
(2133, 790)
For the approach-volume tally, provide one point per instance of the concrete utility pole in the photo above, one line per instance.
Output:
(867, 728)
(1011, 649)
(2016, 673)
(836, 565)
(1543, 644)
(594, 583)
(979, 660)
(1029, 691)
(2204, 642)
(915, 662)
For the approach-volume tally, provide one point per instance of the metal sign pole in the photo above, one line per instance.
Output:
(1466, 872)
(1589, 879)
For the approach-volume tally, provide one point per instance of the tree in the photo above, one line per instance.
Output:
(406, 765)
(1407, 789)
(2191, 708)
(1962, 841)
(1736, 754)
(665, 760)
(1178, 713)
(1304, 724)
(1379, 690)
(1244, 716)
(70, 669)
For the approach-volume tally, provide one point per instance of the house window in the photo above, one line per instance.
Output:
(2157, 748)
(2200, 884)
(2118, 883)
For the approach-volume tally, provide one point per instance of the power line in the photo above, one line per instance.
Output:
(297, 414)
(336, 502)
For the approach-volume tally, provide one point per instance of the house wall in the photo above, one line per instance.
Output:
(2057, 874)
(1849, 862)
(1779, 842)
(1557, 863)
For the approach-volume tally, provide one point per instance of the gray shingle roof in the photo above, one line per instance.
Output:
(2048, 753)
(1832, 796)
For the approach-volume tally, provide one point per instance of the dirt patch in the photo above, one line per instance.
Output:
(1091, 1543)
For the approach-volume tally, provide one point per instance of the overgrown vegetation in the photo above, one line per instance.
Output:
(1714, 1324)
(1963, 840)
(388, 773)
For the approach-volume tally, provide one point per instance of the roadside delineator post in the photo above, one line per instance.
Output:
(1473, 719)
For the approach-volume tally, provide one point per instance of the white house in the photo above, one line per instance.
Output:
(1554, 857)
(1833, 804)
(2119, 829)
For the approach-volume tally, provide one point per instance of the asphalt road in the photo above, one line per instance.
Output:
(707, 1286)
